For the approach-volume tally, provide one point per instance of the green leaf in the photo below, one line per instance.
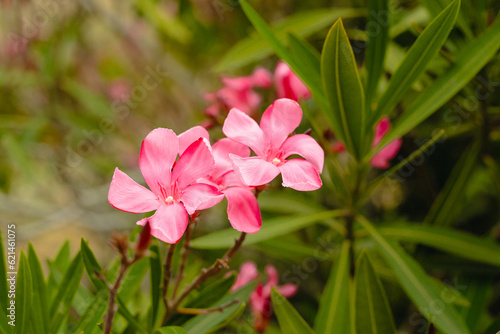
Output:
(444, 210)
(24, 296)
(467, 64)
(91, 266)
(4, 299)
(342, 86)
(60, 305)
(295, 63)
(289, 319)
(378, 37)
(418, 57)
(373, 312)
(125, 313)
(133, 278)
(171, 330)
(59, 264)
(93, 314)
(417, 284)
(479, 291)
(270, 229)
(206, 322)
(156, 275)
(211, 293)
(333, 313)
(40, 312)
(303, 24)
(5, 328)
(307, 58)
(448, 240)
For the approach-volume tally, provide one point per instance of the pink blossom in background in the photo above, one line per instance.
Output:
(174, 192)
(272, 145)
(238, 92)
(288, 85)
(260, 299)
(242, 206)
(382, 158)
(119, 90)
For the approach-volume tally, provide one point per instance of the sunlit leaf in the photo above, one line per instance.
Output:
(171, 330)
(91, 266)
(24, 296)
(40, 312)
(289, 319)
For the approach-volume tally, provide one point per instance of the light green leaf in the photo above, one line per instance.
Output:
(448, 240)
(418, 57)
(270, 229)
(40, 312)
(156, 274)
(467, 64)
(5, 328)
(211, 293)
(91, 266)
(4, 300)
(373, 312)
(333, 314)
(378, 37)
(307, 58)
(125, 313)
(255, 48)
(289, 319)
(417, 284)
(171, 330)
(133, 279)
(24, 296)
(93, 314)
(444, 210)
(343, 89)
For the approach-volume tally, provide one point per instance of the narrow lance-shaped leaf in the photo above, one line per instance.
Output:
(333, 314)
(289, 319)
(343, 89)
(155, 272)
(416, 60)
(418, 285)
(91, 266)
(4, 300)
(40, 312)
(377, 29)
(373, 313)
(170, 330)
(467, 64)
(24, 295)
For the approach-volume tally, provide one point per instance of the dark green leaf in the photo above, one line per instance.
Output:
(270, 229)
(91, 266)
(417, 59)
(373, 312)
(24, 296)
(289, 319)
(171, 330)
(333, 314)
(133, 279)
(479, 291)
(40, 312)
(343, 89)
(156, 275)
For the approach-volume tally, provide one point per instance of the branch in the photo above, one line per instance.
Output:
(185, 252)
(198, 311)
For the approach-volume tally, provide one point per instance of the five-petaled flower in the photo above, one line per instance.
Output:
(174, 193)
(272, 146)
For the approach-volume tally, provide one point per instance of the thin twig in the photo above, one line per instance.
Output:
(198, 311)
(185, 252)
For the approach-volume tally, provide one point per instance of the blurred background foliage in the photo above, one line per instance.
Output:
(83, 82)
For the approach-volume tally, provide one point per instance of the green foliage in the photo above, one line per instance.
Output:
(289, 319)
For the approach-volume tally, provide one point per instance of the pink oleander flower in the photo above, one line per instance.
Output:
(174, 192)
(272, 145)
(242, 207)
(238, 92)
(288, 85)
(382, 158)
(260, 299)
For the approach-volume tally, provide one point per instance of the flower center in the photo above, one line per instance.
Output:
(276, 161)
(169, 200)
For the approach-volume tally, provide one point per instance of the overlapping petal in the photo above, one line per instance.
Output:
(254, 171)
(196, 162)
(243, 210)
(190, 136)
(127, 195)
(168, 223)
(247, 273)
(200, 196)
(242, 128)
(300, 175)
(306, 147)
(279, 120)
(221, 150)
(158, 153)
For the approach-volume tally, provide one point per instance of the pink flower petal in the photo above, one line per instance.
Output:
(248, 272)
(196, 162)
(287, 290)
(254, 171)
(382, 158)
(231, 179)
(300, 175)
(190, 136)
(307, 147)
(261, 77)
(380, 130)
(158, 153)
(168, 223)
(241, 128)
(279, 120)
(221, 150)
(288, 85)
(243, 210)
(200, 196)
(127, 195)
(259, 302)
(272, 277)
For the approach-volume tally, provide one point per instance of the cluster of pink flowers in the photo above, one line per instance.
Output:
(260, 299)
(186, 174)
